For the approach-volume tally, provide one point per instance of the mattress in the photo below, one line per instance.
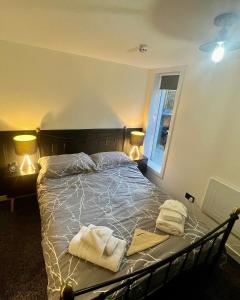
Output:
(120, 198)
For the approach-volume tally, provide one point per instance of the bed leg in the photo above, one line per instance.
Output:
(67, 291)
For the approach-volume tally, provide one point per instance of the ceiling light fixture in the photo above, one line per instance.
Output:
(218, 52)
(222, 43)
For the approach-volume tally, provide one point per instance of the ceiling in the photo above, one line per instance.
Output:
(113, 29)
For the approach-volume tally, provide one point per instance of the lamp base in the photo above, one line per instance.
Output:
(134, 153)
(27, 166)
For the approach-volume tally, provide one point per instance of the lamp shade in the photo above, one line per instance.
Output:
(25, 144)
(136, 138)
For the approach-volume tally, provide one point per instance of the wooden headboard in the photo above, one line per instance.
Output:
(56, 142)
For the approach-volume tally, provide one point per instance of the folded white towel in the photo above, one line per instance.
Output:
(83, 250)
(176, 206)
(170, 227)
(99, 237)
(170, 215)
(111, 245)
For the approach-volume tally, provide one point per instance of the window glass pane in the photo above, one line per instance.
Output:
(167, 96)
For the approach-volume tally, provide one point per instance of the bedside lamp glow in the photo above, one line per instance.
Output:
(26, 145)
(136, 140)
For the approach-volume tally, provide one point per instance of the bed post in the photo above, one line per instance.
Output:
(233, 218)
(124, 137)
(38, 140)
(66, 292)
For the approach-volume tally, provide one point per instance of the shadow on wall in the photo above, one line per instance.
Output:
(80, 114)
(4, 126)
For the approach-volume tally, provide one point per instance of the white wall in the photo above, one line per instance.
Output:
(55, 90)
(206, 136)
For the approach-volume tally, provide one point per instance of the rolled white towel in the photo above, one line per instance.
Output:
(170, 215)
(169, 226)
(175, 205)
(83, 250)
(99, 237)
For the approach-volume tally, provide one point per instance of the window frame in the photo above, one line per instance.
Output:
(164, 72)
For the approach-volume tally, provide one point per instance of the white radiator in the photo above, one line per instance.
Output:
(219, 201)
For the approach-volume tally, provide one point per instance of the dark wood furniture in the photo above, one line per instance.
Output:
(55, 142)
(142, 164)
(17, 185)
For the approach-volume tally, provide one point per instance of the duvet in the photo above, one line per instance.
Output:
(119, 197)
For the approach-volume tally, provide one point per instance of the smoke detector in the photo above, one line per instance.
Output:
(143, 48)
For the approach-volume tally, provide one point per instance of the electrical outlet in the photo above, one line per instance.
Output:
(189, 197)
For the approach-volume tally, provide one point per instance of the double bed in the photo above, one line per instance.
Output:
(114, 194)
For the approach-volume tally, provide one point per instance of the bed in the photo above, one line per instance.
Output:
(117, 195)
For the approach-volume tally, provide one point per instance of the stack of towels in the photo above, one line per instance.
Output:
(97, 245)
(172, 216)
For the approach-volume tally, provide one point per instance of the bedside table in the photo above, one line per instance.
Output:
(17, 185)
(142, 164)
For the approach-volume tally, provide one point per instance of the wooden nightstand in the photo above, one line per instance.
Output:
(142, 164)
(17, 185)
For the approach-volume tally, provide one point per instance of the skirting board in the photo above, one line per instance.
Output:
(235, 255)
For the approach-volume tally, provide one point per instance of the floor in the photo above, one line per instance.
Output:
(22, 272)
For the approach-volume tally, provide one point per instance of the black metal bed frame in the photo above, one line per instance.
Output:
(124, 283)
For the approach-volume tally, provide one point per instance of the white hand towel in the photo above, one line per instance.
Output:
(170, 227)
(170, 215)
(98, 237)
(83, 250)
(176, 206)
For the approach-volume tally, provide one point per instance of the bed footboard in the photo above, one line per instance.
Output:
(124, 283)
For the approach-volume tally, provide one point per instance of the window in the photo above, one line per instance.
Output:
(161, 112)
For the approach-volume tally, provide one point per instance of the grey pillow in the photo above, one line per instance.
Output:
(57, 166)
(106, 160)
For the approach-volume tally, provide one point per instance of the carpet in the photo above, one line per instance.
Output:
(22, 272)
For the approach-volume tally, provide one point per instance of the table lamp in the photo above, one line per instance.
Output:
(136, 140)
(26, 145)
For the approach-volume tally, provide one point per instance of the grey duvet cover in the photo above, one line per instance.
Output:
(120, 198)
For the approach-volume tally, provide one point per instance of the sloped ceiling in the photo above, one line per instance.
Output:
(113, 29)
